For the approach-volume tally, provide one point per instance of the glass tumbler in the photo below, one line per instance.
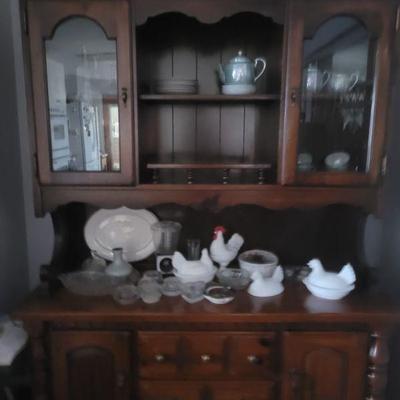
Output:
(193, 249)
(149, 291)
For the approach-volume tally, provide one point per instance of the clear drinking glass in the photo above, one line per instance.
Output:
(149, 291)
(193, 249)
(166, 236)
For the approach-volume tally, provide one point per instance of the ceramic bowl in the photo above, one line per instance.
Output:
(337, 161)
(329, 294)
(235, 278)
(258, 260)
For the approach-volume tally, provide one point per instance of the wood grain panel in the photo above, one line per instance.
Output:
(184, 60)
(208, 133)
(90, 365)
(232, 123)
(208, 58)
(324, 365)
(195, 390)
(184, 134)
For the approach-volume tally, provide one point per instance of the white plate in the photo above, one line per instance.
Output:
(121, 227)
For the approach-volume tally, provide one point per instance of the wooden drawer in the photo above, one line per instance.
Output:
(176, 354)
(180, 355)
(203, 390)
(252, 355)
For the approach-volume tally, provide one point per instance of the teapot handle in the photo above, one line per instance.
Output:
(356, 78)
(262, 61)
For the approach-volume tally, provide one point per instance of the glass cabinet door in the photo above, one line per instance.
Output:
(83, 110)
(336, 133)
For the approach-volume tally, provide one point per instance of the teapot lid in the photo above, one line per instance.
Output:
(240, 58)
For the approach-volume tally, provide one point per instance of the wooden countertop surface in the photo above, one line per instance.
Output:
(295, 305)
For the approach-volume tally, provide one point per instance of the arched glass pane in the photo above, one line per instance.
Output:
(338, 71)
(83, 103)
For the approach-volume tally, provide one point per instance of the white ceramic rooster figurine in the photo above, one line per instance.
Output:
(330, 280)
(267, 287)
(221, 252)
(196, 267)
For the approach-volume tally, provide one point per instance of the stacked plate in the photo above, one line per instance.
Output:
(176, 86)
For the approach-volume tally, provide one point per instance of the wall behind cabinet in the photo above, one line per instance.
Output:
(26, 242)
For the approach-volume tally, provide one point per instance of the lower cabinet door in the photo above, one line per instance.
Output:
(202, 390)
(90, 365)
(324, 365)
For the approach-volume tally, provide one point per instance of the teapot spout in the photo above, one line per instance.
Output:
(221, 73)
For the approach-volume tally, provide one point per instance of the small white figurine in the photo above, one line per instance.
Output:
(221, 252)
(330, 280)
(267, 287)
(329, 285)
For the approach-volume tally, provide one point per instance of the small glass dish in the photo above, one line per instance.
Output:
(89, 283)
(149, 291)
(218, 294)
(235, 278)
(192, 292)
(125, 294)
(171, 287)
(153, 275)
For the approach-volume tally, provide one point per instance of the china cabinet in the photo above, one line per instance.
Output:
(129, 107)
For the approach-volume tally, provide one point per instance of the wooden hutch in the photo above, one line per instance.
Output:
(104, 137)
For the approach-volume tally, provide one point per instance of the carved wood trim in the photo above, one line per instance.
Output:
(40, 388)
(209, 11)
(378, 365)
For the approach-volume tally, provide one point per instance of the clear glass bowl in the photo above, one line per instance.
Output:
(171, 287)
(125, 294)
(89, 283)
(235, 278)
(192, 292)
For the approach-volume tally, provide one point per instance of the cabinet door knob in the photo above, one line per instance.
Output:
(124, 95)
(159, 358)
(205, 358)
(252, 359)
(294, 96)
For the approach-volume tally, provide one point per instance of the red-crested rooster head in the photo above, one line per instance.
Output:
(218, 229)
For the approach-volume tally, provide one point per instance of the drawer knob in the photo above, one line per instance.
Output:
(252, 359)
(159, 358)
(205, 358)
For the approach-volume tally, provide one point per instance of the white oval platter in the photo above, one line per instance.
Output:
(121, 227)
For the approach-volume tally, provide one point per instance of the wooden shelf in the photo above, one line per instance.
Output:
(209, 98)
(207, 166)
